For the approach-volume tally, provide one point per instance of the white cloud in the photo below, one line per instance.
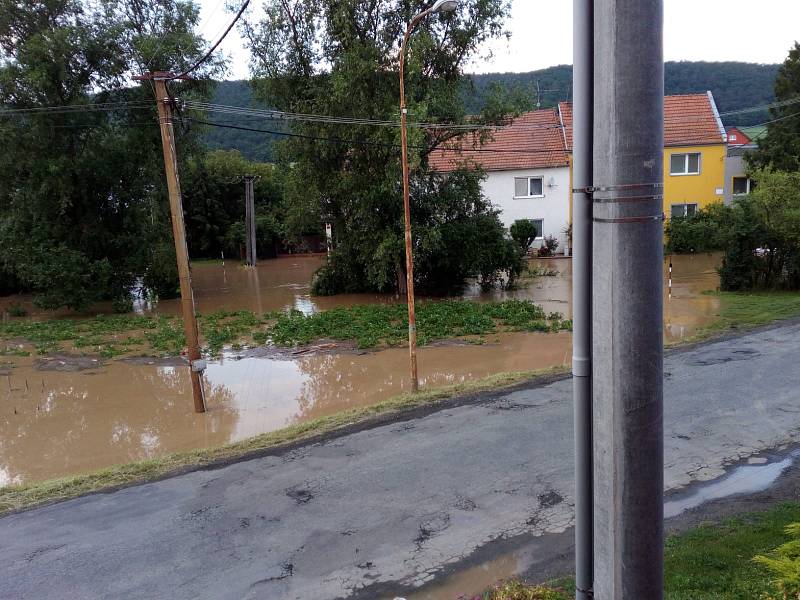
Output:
(712, 30)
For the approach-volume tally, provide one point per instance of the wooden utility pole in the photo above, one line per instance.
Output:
(250, 221)
(196, 364)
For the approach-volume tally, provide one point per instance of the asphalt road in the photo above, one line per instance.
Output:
(393, 504)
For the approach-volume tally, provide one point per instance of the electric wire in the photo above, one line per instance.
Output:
(211, 50)
(352, 142)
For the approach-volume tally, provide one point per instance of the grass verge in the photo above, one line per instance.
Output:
(739, 310)
(710, 562)
(14, 498)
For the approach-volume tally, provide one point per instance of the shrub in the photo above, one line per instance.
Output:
(549, 246)
(761, 235)
(161, 277)
(701, 232)
(784, 564)
(523, 232)
(17, 310)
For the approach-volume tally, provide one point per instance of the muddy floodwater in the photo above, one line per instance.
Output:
(59, 418)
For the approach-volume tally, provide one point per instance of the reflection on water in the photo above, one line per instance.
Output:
(55, 423)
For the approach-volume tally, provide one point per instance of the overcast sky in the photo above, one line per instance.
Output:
(713, 30)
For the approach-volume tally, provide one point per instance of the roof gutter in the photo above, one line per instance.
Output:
(716, 116)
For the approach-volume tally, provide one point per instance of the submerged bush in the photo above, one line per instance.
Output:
(524, 232)
(700, 232)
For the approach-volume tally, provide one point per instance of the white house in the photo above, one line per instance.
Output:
(527, 168)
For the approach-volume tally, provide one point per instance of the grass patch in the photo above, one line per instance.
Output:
(712, 562)
(716, 561)
(370, 326)
(516, 590)
(25, 496)
(740, 310)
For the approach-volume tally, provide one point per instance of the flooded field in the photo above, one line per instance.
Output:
(59, 418)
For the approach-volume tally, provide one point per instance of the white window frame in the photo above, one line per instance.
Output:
(528, 179)
(749, 185)
(685, 210)
(686, 156)
(539, 229)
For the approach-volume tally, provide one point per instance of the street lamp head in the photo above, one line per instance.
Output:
(442, 6)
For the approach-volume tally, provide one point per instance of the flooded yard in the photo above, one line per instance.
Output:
(59, 417)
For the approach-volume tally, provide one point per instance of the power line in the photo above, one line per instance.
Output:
(77, 108)
(350, 142)
(206, 56)
(780, 104)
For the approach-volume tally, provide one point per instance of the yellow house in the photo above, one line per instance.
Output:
(694, 152)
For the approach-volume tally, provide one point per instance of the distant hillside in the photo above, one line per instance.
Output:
(735, 85)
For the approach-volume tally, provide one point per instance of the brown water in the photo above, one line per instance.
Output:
(55, 421)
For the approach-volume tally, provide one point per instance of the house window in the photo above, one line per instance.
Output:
(528, 187)
(732, 137)
(539, 228)
(683, 210)
(684, 164)
(741, 186)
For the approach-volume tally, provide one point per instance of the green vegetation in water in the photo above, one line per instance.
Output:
(387, 324)
(369, 326)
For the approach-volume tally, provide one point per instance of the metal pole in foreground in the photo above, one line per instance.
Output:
(627, 309)
(582, 110)
(196, 364)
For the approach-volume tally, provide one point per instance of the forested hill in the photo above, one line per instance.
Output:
(735, 85)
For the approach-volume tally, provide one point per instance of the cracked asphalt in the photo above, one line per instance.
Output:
(390, 505)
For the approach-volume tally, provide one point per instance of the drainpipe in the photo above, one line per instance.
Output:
(582, 139)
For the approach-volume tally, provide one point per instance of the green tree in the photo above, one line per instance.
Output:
(82, 201)
(524, 232)
(762, 235)
(213, 190)
(780, 148)
(340, 58)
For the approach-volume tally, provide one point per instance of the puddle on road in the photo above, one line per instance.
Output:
(744, 479)
(467, 583)
(64, 422)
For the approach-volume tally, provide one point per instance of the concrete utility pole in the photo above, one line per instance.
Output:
(627, 310)
(582, 110)
(250, 221)
(196, 364)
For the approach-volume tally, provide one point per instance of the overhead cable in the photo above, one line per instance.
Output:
(211, 50)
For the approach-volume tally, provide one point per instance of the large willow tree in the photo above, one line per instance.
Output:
(82, 205)
(340, 58)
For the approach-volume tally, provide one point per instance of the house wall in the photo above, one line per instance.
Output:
(702, 189)
(553, 208)
(734, 167)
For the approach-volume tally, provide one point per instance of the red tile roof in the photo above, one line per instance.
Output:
(543, 138)
(533, 140)
(689, 120)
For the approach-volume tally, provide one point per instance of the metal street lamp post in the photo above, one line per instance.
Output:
(438, 7)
